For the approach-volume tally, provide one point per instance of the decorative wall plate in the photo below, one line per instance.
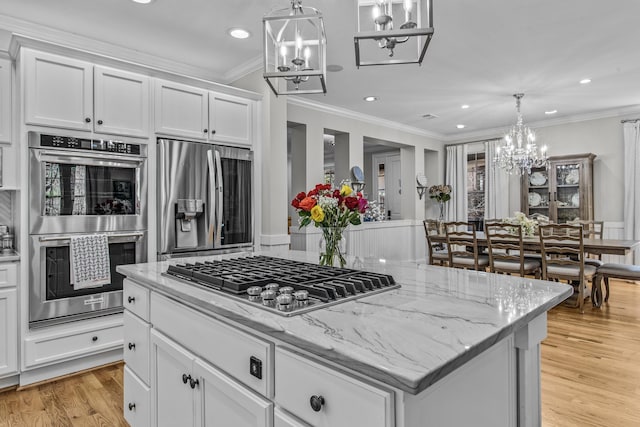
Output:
(534, 199)
(573, 177)
(537, 178)
(575, 200)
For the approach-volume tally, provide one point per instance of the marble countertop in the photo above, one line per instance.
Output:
(408, 338)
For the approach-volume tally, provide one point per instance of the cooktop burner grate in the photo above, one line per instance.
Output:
(283, 286)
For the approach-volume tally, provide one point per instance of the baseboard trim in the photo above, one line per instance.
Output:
(9, 383)
(34, 377)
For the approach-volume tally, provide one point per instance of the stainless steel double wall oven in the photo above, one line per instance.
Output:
(82, 186)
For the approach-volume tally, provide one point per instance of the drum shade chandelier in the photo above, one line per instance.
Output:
(295, 50)
(392, 31)
(519, 153)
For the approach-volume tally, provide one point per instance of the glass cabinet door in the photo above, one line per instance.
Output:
(538, 195)
(566, 197)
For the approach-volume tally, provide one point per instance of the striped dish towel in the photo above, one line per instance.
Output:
(90, 264)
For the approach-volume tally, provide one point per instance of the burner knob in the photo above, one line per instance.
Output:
(272, 287)
(286, 290)
(301, 295)
(254, 291)
(268, 297)
(284, 299)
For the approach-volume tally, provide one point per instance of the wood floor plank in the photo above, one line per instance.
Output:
(590, 376)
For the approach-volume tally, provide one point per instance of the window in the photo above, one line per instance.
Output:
(475, 188)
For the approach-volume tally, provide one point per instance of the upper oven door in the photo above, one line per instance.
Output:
(76, 192)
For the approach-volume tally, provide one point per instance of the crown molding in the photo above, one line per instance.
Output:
(493, 133)
(350, 114)
(243, 69)
(57, 37)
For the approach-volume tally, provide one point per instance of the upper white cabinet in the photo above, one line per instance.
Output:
(191, 112)
(63, 92)
(5, 100)
(181, 110)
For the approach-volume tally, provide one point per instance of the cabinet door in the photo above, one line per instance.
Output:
(181, 110)
(223, 402)
(121, 103)
(5, 100)
(172, 399)
(8, 332)
(230, 119)
(283, 419)
(58, 91)
(566, 178)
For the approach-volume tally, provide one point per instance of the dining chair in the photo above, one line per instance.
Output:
(506, 250)
(437, 251)
(462, 243)
(591, 230)
(562, 249)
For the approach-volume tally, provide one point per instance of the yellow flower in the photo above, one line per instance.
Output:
(317, 214)
(345, 190)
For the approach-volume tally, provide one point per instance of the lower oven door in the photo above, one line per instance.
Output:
(52, 299)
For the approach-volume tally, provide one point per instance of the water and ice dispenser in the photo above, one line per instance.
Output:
(189, 220)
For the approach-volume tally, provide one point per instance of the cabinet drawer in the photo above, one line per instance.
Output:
(8, 275)
(44, 350)
(137, 403)
(347, 401)
(223, 346)
(283, 419)
(136, 345)
(136, 299)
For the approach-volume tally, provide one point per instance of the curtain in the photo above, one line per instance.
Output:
(456, 176)
(496, 184)
(632, 183)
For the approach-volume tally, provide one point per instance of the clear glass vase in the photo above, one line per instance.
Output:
(333, 247)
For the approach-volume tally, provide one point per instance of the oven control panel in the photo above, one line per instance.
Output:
(108, 145)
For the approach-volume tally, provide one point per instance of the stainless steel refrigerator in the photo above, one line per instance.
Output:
(204, 198)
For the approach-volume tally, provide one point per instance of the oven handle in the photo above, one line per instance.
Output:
(122, 161)
(67, 237)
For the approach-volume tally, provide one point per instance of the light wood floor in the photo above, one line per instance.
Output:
(590, 376)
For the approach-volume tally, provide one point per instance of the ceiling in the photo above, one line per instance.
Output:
(482, 53)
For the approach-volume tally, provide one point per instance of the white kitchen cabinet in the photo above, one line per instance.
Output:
(193, 113)
(8, 332)
(64, 92)
(186, 391)
(181, 110)
(5, 100)
(121, 102)
(283, 419)
(137, 406)
(58, 91)
(8, 319)
(230, 119)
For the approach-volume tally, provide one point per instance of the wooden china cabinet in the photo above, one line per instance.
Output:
(563, 191)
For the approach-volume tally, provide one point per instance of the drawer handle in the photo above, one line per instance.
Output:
(186, 378)
(131, 300)
(316, 402)
(132, 406)
(132, 346)
(94, 338)
(193, 383)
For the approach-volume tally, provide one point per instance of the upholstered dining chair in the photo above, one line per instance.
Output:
(462, 243)
(563, 258)
(506, 250)
(437, 252)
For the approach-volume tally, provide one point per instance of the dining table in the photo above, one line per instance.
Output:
(591, 246)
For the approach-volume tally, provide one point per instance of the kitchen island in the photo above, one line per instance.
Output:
(448, 348)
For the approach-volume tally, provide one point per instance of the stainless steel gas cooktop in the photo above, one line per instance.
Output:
(280, 285)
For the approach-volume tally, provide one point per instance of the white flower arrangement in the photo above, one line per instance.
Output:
(528, 225)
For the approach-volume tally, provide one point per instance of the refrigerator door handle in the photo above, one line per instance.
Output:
(219, 201)
(212, 196)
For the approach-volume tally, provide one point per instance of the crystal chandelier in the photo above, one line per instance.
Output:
(519, 153)
(393, 31)
(295, 50)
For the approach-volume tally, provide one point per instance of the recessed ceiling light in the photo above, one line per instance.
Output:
(464, 107)
(460, 126)
(585, 81)
(142, 1)
(551, 112)
(334, 68)
(370, 98)
(238, 33)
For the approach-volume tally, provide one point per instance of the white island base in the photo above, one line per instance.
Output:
(194, 358)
